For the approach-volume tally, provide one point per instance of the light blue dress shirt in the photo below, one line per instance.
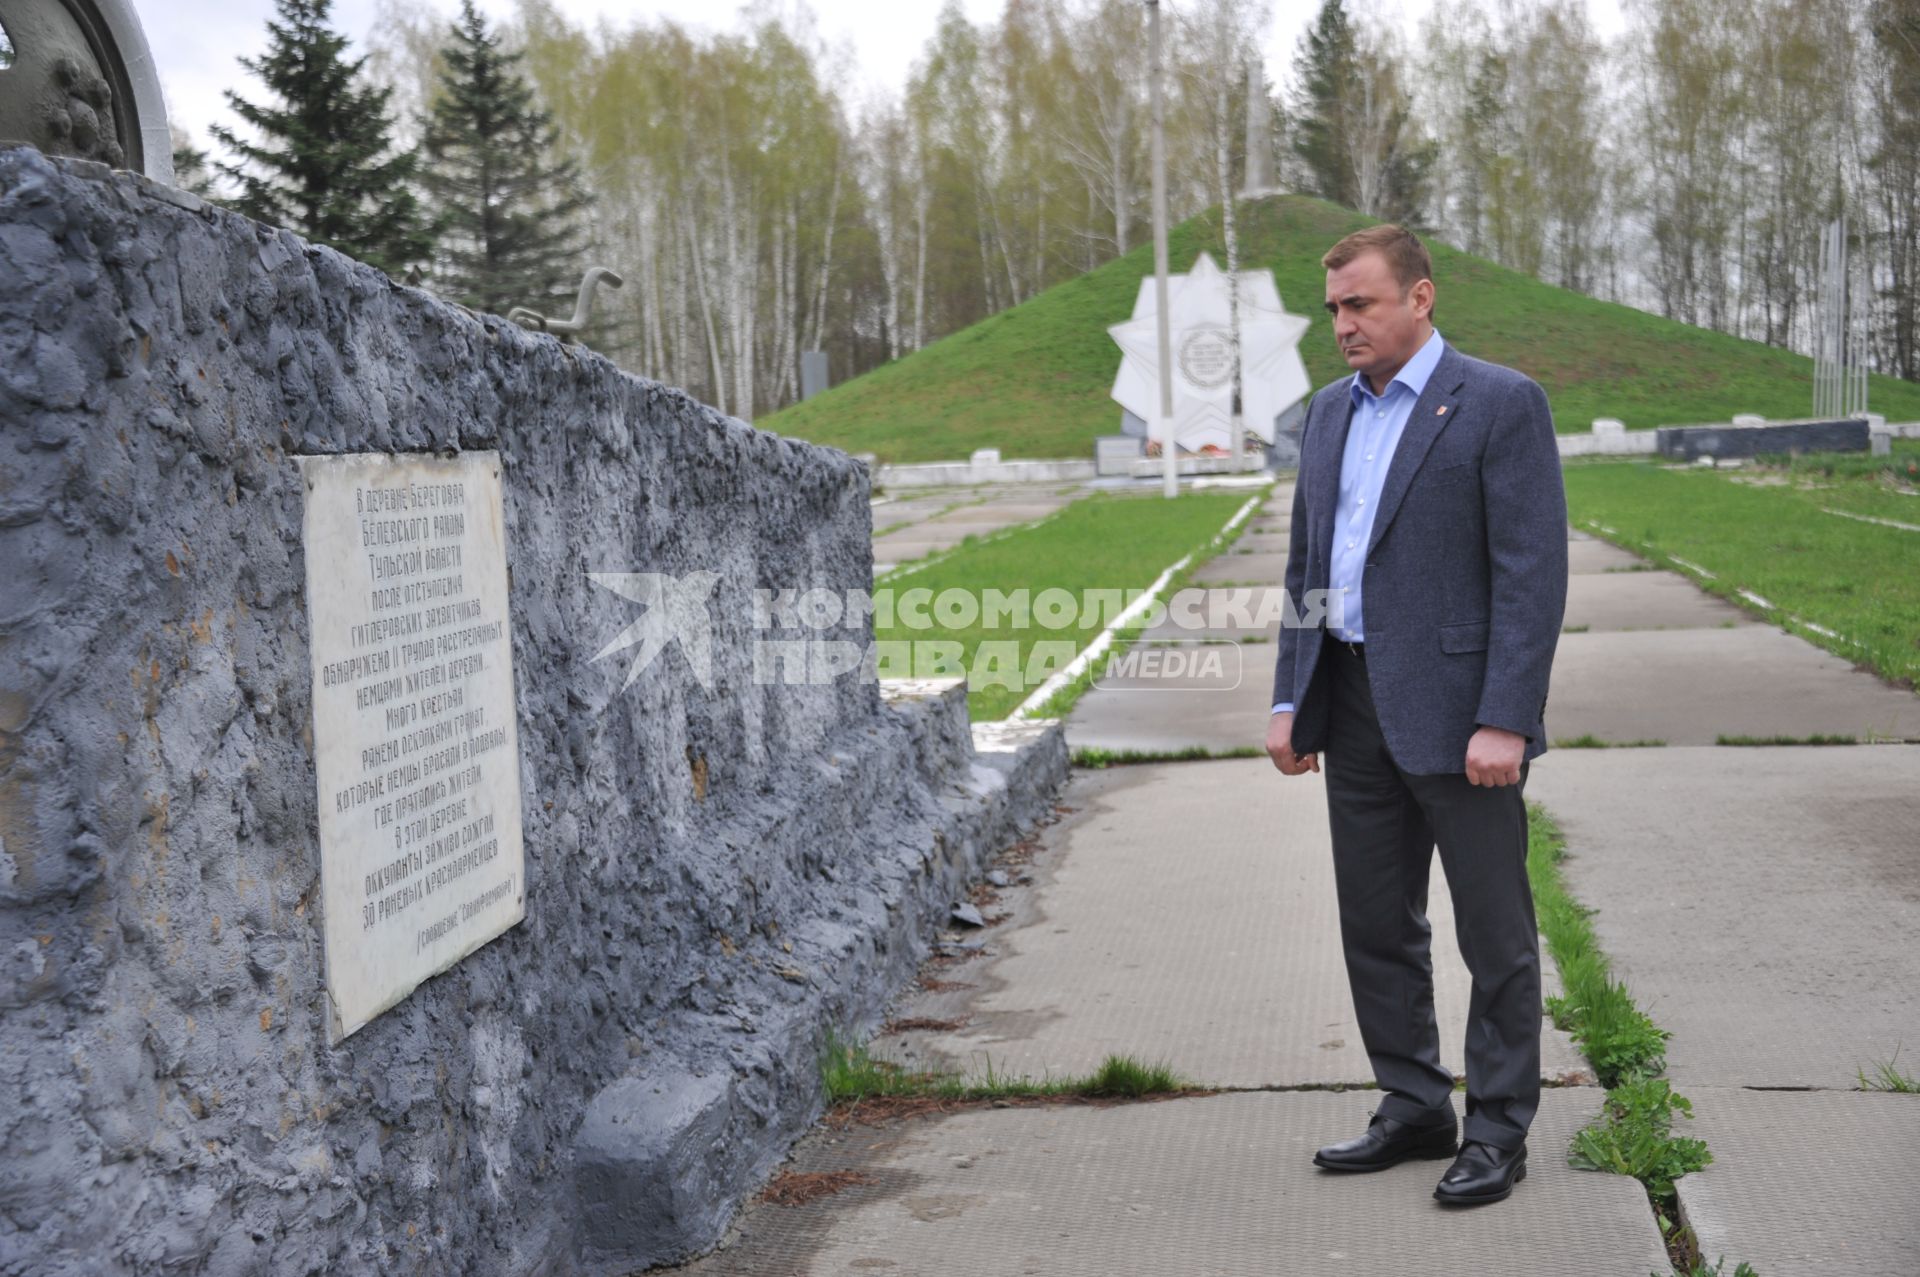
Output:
(1378, 422)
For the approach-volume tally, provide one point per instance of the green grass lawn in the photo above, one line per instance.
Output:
(1033, 381)
(1766, 530)
(1109, 541)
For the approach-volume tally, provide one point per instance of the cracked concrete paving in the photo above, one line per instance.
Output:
(1761, 903)
(1806, 1182)
(1184, 912)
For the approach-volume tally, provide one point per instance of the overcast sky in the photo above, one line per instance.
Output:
(196, 42)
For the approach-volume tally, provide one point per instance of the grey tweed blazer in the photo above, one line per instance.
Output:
(1466, 571)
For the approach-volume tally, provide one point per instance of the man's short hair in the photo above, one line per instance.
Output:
(1406, 256)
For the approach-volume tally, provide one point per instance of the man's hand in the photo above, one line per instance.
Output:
(1280, 747)
(1493, 756)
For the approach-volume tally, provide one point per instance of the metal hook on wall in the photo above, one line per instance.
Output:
(569, 330)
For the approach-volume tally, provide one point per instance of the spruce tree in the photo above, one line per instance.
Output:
(507, 201)
(1326, 64)
(324, 164)
(1335, 75)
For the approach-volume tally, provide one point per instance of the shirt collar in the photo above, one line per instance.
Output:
(1413, 375)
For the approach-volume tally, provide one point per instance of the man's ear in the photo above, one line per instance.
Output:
(1422, 297)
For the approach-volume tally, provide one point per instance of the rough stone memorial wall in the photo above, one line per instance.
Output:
(716, 866)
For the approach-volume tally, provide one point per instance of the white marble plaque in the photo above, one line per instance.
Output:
(415, 741)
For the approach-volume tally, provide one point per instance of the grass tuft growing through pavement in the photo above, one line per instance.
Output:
(851, 1073)
(1886, 1077)
(1633, 1134)
(1701, 1268)
(1619, 1039)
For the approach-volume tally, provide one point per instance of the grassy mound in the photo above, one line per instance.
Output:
(1033, 381)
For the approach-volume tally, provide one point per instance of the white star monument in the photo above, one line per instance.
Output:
(1272, 378)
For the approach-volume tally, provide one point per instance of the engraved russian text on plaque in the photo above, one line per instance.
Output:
(414, 735)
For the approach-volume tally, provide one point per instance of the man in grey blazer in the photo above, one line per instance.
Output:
(1430, 505)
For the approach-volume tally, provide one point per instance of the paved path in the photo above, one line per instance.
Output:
(1647, 656)
(1807, 1182)
(1212, 1186)
(1105, 954)
(1185, 913)
(1762, 903)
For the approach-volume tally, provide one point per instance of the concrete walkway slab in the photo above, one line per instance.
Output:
(1259, 569)
(1214, 1186)
(1185, 914)
(1586, 557)
(997, 504)
(916, 528)
(1257, 542)
(913, 542)
(1000, 513)
(1807, 1182)
(1761, 903)
(1232, 717)
(1647, 601)
(1687, 687)
(914, 509)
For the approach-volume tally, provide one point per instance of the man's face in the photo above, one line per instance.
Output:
(1377, 327)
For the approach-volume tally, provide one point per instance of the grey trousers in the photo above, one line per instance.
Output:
(1385, 825)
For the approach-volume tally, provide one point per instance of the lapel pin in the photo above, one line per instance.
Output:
(1441, 411)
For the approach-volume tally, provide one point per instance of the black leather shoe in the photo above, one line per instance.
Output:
(1482, 1174)
(1388, 1142)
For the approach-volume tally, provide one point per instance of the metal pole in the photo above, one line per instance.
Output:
(1163, 321)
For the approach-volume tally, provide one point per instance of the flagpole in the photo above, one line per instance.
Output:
(1168, 449)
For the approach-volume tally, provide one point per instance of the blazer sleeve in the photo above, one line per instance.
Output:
(1296, 577)
(1525, 506)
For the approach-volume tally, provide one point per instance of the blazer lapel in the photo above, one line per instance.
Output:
(1438, 404)
(1327, 462)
